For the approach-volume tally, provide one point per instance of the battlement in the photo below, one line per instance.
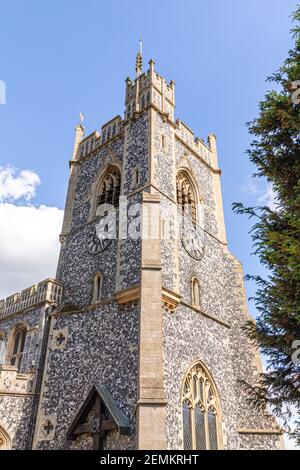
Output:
(184, 133)
(149, 88)
(93, 141)
(146, 89)
(49, 290)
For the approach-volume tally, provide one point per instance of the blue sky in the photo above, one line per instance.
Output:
(62, 57)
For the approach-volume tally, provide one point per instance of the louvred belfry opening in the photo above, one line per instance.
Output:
(109, 188)
(186, 196)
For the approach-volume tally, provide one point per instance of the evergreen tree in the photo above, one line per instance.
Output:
(275, 152)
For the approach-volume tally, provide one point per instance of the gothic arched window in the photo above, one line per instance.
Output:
(200, 411)
(5, 441)
(109, 188)
(97, 287)
(186, 198)
(195, 292)
(2, 348)
(18, 346)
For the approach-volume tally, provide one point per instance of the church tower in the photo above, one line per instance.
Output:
(146, 349)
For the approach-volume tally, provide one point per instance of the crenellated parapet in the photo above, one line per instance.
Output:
(49, 290)
(149, 88)
(197, 145)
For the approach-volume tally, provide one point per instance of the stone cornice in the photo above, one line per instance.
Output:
(84, 309)
(170, 300)
(100, 147)
(14, 394)
(204, 314)
(149, 197)
(213, 170)
(132, 294)
(260, 431)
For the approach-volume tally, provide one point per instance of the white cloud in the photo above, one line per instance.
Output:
(29, 245)
(264, 193)
(16, 184)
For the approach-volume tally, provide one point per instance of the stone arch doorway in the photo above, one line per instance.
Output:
(5, 441)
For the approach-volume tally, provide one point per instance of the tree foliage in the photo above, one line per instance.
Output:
(275, 152)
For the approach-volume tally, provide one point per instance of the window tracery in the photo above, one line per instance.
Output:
(200, 411)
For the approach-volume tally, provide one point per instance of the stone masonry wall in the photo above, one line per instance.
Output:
(102, 340)
(190, 336)
(15, 409)
(101, 349)
(15, 414)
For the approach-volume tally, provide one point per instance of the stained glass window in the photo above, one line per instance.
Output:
(188, 444)
(200, 411)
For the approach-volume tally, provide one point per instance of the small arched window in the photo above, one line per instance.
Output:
(18, 344)
(186, 198)
(97, 287)
(201, 413)
(196, 292)
(2, 348)
(109, 188)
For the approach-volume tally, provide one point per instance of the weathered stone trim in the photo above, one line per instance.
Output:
(170, 300)
(152, 401)
(127, 295)
(204, 314)
(213, 170)
(260, 431)
(43, 436)
(151, 404)
(39, 416)
(14, 394)
(100, 147)
(63, 334)
(84, 309)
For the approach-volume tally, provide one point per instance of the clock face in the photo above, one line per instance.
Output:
(193, 239)
(100, 237)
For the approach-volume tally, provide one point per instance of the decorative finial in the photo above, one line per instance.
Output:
(139, 60)
(81, 117)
